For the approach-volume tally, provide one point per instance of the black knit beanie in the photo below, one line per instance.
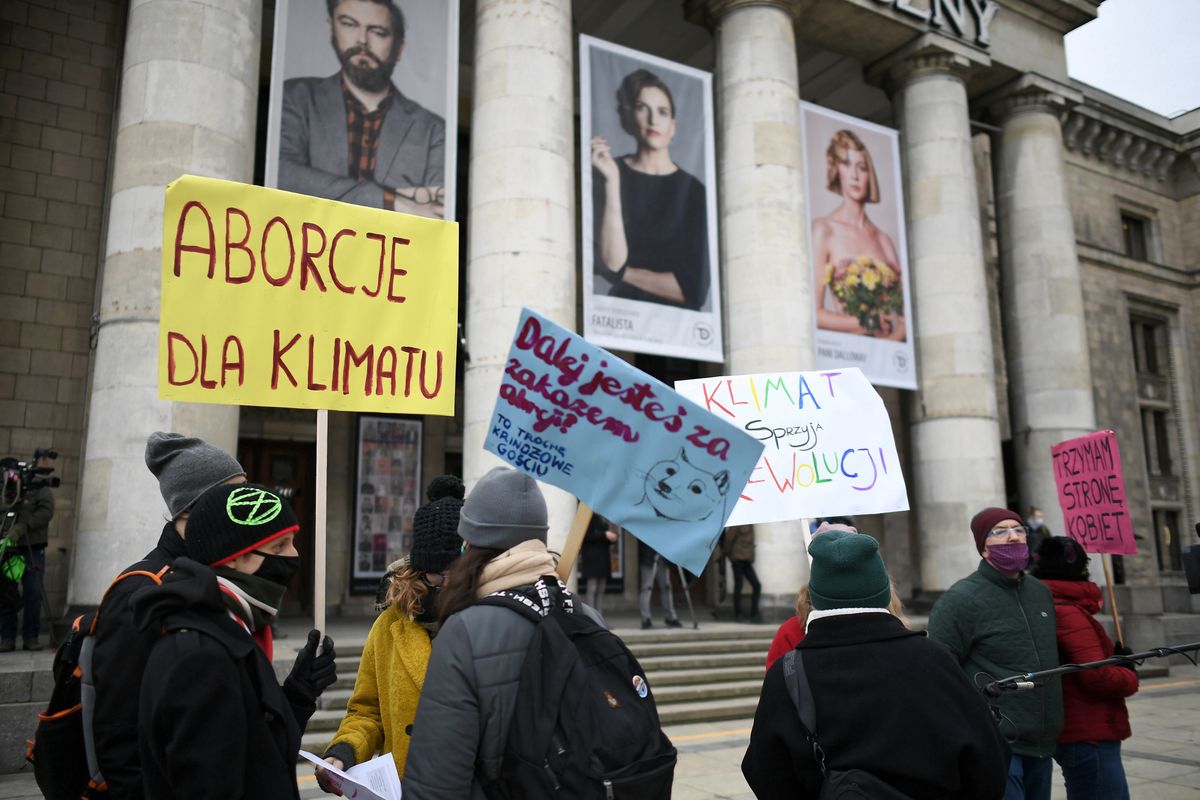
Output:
(229, 521)
(436, 542)
(1061, 558)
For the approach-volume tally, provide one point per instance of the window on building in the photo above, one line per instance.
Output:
(1167, 539)
(1136, 232)
(1157, 440)
(1149, 337)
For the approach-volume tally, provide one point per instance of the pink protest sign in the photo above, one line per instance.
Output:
(1091, 492)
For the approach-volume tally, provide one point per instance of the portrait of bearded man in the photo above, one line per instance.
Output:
(354, 136)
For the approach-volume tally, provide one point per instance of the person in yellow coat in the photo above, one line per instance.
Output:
(381, 709)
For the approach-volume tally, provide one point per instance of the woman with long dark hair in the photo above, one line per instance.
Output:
(469, 697)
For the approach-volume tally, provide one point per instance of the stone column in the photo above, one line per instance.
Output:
(1045, 338)
(521, 222)
(957, 465)
(764, 247)
(189, 89)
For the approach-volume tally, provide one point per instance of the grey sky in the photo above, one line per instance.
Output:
(1143, 51)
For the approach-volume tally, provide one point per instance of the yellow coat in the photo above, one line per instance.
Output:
(384, 701)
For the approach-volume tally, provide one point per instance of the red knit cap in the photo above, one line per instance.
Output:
(987, 519)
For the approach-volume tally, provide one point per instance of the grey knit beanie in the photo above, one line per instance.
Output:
(186, 467)
(504, 509)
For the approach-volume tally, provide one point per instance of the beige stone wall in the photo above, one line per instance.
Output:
(1166, 286)
(1099, 191)
(57, 66)
(1111, 286)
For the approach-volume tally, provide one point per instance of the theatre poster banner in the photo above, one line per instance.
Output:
(649, 204)
(388, 491)
(857, 248)
(364, 103)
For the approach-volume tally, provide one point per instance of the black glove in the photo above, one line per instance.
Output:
(1119, 649)
(312, 673)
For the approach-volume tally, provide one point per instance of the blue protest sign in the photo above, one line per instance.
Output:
(635, 450)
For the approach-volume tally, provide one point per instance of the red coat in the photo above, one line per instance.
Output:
(790, 634)
(1094, 699)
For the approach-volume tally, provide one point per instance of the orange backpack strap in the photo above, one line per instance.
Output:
(145, 573)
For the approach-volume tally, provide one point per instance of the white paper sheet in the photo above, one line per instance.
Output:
(376, 779)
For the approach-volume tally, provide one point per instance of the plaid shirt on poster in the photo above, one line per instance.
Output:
(362, 133)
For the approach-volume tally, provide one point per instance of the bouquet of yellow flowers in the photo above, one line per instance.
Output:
(868, 290)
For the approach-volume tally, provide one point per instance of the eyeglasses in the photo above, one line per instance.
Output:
(996, 533)
(435, 579)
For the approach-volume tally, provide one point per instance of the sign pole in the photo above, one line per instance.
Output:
(319, 512)
(583, 516)
(1112, 597)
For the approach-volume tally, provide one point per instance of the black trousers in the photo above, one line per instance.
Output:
(744, 570)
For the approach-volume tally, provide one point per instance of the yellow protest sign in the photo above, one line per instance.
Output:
(277, 299)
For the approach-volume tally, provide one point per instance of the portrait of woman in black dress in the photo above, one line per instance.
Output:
(650, 216)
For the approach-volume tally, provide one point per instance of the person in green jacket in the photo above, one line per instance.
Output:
(999, 622)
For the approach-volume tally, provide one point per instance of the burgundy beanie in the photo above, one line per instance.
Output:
(987, 519)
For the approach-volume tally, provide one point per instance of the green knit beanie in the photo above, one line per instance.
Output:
(847, 572)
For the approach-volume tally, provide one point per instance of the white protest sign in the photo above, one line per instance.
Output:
(828, 445)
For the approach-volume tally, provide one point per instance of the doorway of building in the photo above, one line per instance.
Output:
(287, 467)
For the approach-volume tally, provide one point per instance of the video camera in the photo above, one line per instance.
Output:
(18, 477)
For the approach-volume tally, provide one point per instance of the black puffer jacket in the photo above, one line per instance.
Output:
(212, 721)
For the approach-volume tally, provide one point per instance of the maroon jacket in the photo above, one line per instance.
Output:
(1094, 699)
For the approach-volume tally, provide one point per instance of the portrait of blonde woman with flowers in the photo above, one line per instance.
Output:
(858, 283)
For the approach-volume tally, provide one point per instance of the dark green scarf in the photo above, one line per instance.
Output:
(258, 593)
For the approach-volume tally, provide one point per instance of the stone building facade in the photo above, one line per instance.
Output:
(1053, 239)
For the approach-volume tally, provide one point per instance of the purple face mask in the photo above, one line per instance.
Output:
(1008, 557)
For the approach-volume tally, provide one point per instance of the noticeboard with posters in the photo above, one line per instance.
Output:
(364, 101)
(387, 493)
(857, 247)
(649, 204)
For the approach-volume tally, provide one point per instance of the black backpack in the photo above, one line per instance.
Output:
(63, 751)
(848, 784)
(585, 724)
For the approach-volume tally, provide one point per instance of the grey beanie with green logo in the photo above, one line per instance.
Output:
(186, 467)
(505, 508)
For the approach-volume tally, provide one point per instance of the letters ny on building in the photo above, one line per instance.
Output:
(1049, 238)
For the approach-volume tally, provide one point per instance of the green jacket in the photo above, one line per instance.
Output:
(998, 627)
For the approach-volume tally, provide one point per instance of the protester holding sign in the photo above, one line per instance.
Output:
(883, 699)
(999, 621)
(1096, 719)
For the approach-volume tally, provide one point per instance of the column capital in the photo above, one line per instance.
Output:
(928, 54)
(709, 12)
(1030, 92)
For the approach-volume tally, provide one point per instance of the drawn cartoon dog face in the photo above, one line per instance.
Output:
(677, 489)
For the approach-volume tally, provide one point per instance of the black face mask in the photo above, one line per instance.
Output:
(277, 569)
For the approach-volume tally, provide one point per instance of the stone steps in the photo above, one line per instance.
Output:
(697, 675)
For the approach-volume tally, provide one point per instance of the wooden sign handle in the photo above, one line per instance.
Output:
(1112, 599)
(320, 516)
(583, 516)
